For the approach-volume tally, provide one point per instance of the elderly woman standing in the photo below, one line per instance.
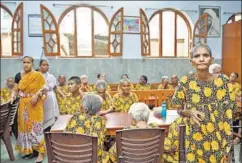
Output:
(206, 106)
(139, 113)
(90, 123)
(30, 111)
(107, 105)
(124, 99)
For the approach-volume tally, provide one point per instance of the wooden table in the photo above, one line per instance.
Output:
(118, 121)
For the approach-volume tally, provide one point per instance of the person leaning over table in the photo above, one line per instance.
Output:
(207, 105)
(91, 123)
(124, 99)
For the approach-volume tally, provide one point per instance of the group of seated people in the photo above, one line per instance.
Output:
(88, 103)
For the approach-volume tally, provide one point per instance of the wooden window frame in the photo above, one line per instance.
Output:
(177, 12)
(19, 10)
(74, 7)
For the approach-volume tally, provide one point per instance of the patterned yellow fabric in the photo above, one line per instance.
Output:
(171, 144)
(91, 125)
(131, 87)
(168, 86)
(71, 105)
(122, 104)
(107, 102)
(113, 150)
(236, 88)
(5, 94)
(211, 140)
(30, 118)
(140, 87)
(87, 88)
(60, 100)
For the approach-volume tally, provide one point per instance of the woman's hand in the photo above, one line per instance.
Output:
(34, 100)
(197, 116)
(11, 100)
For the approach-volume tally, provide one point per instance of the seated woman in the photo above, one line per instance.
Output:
(125, 76)
(164, 83)
(107, 105)
(143, 84)
(90, 123)
(124, 99)
(139, 113)
(85, 87)
(102, 76)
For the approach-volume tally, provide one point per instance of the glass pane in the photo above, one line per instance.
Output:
(84, 31)
(6, 40)
(115, 43)
(168, 33)
(154, 36)
(116, 23)
(100, 35)
(67, 38)
(182, 38)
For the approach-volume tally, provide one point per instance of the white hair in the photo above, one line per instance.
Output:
(101, 84)
(139, 112)
(213, 66)
(92, 103)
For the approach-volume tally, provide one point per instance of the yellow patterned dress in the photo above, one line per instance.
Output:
(122, 104)
(91, 125)
(167, 87)
(210, 141)
(107, 102)
(86, 88)
(5, 95)
(30, 118)
(140, 87)
(60, 100)
(71, 105)
(236, 88)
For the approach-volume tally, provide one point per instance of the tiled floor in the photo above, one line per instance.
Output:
(5, 157)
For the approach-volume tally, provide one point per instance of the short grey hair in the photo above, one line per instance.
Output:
(200, 45)
(101, 84)
(124, 81)
(139, 112)
(92, 103)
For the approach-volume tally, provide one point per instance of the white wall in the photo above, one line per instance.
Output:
(131, 43)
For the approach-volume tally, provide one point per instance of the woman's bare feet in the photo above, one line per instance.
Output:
(40, 158)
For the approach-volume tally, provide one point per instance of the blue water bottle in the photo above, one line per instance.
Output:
(163, 109)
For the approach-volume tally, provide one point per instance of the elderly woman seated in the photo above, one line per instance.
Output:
(90, 123)
(101, 89)
(139, 113)
(124, 99)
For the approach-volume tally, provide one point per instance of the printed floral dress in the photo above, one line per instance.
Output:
(211, 140)
(122, 104)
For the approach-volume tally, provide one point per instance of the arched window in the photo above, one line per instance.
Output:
(6, 31)
(83, 32)
(11, 31)
(170, 34)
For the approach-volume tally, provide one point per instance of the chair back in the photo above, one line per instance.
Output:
(4, 113)
(140, 145)
(182, 154)
(13, 111)
(70, 147)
